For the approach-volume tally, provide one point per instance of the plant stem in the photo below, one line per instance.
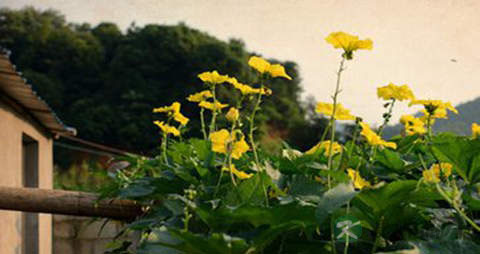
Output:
(332, 236)
(325, 132)
(429, 126)
(164, 146)
(252, 127)
(345, 250)
(332, 119)
(387, 119)
(373, 150)
(230, 150)
(377, 235)
(354, 140)
(202, 121)
(214, 111)
(456, 207)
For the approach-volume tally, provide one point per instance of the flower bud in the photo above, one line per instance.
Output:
(232, 114)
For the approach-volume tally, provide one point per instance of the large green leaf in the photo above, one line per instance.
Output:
(394, 205)
(390, 159)
(225, 217)
(173, 241)
(250, 191)
(334, 199)
(462, 152)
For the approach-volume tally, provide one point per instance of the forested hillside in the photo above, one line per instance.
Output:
(105, 82)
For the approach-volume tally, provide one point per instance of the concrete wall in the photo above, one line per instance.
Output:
(80, 235)
(12, 126)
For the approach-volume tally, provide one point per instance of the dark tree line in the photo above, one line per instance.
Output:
(105, 82)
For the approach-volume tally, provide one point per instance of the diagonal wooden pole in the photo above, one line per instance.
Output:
(67, 203)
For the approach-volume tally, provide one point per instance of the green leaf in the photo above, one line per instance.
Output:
(390, 159)
(462, 152)
(252, 191)
(185, 242)
(226, 217)
(394, 205)
(333, 199)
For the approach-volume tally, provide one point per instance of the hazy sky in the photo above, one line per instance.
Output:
(414, 40)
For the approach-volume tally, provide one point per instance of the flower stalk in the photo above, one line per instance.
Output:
(214, 111)
(332, 118)
(202, 121)
(252, 126)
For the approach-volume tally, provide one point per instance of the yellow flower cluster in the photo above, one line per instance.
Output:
(475, 130)
(349, 43)
(341, 113)
(392, 91)
(213, 77)
(173, 111)
(246, 89)
(263, 66)
(325, 146)
(435, 108)
(167, 128)
(174, 108)
(213, 106)
(225, 142)
(358, 181)
(432, 175)
(373, 138)
(413, 125)
(240, 174)
(200, 96)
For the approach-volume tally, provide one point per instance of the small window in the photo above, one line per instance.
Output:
(30, 179)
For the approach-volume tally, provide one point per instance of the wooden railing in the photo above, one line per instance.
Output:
(66, 203)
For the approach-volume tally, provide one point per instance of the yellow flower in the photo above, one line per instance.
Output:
(167, 128)
(213, 77)
(222, 140)
(433, 174)
(475, 130)
(232, 114)
(172, 109)
(341, 113)
(200, 96)
(259, 64)
(240, 174)
(373, 138)
(392, 91)
(325, 146)
(413, 125)
(348, 43)
(212, 106)
(277, 70)
(246, 89)
(179, 117)
(435, 108)
(263, 66)
(358, 181)
(239, 148)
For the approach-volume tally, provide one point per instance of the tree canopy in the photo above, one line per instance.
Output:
(105, 81)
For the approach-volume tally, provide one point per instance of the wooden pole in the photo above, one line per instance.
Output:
(66, 202)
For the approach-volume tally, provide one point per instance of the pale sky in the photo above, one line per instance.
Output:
(414, 40)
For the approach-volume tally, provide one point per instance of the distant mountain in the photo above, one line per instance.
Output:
(468, 113)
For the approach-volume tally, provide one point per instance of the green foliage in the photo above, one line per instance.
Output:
(105, 82)
(288, 208)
